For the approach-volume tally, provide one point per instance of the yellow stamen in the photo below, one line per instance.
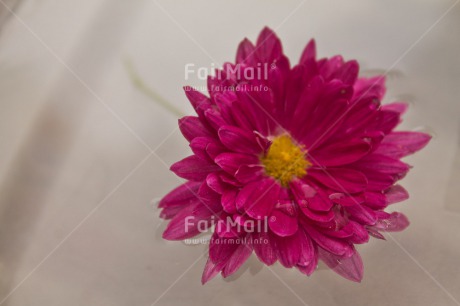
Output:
(285, 160)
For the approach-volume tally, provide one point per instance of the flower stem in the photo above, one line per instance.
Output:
(148, 91)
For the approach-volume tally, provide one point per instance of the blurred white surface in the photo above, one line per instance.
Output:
(77, 179)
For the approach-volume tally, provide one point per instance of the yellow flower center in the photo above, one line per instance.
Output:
(285, 160)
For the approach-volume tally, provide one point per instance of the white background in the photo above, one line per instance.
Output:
(78, 177)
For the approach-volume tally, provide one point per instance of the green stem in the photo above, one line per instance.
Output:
(149, 92)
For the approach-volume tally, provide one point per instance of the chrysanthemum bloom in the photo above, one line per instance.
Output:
(306, 155)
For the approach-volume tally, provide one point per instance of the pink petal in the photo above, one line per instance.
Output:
(329, 65)
(214, 181)
(220, 248)
(396, 194)
(395, 223)
(332, 245)
(268, 46)
(181, 195)
(350, 268)
(340, 153)
(258, 198)
(375, 233)
(211, 270)
(359, 117)
(362, 214)
(307, 253)
(246, 52)
(239, 140)
(237, 259)
(282, 224)
(192, 127)
(398, 107)
(340, 179)
(264, 248)
(249, 173)
(378, 181)
(370, 87)
(228, 201)
(231, 162)
(309, 197)
(277, 78)
(347, 73)
(286, 205)
(318, 216)
(383, 164)
(193, 168)
(325, 121)
(400, 144)
(178, 199)
(346, 200)
(199, 101)
(214, 118)
(225, 228)
(186, 223)
(388, 120)
(360, 233)
(309, 53)
(375, 200)
(289, 249)
(257, 106)
(199, 146)
(311, 267)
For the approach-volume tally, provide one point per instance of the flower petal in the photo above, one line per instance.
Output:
(282, 224)
(200, 145)
(178, 199)
(369, 87)
(347, 73)
(246, 52)
(382, 164)
(211, 270)
(340, 179)
(398, 107)
(186, 223)
(181, 195)
(289, 249)
(396, 194)
(340, 153)
(264, 248)
(238, 258)
(220, 248)
(258, 198)
(231, 162)
(395, 223)
(239, 140)
(191, 127)
(307, 253)
(309, 197)
(249, 173)
(399, 144)
(311, 267)
(193, 168)
(332, 245)
(200, 102)
(228, 201)
(309, 53)
(362, 214)
(268, 46)
(350, 268)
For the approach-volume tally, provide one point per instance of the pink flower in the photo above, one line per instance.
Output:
(297, 164)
